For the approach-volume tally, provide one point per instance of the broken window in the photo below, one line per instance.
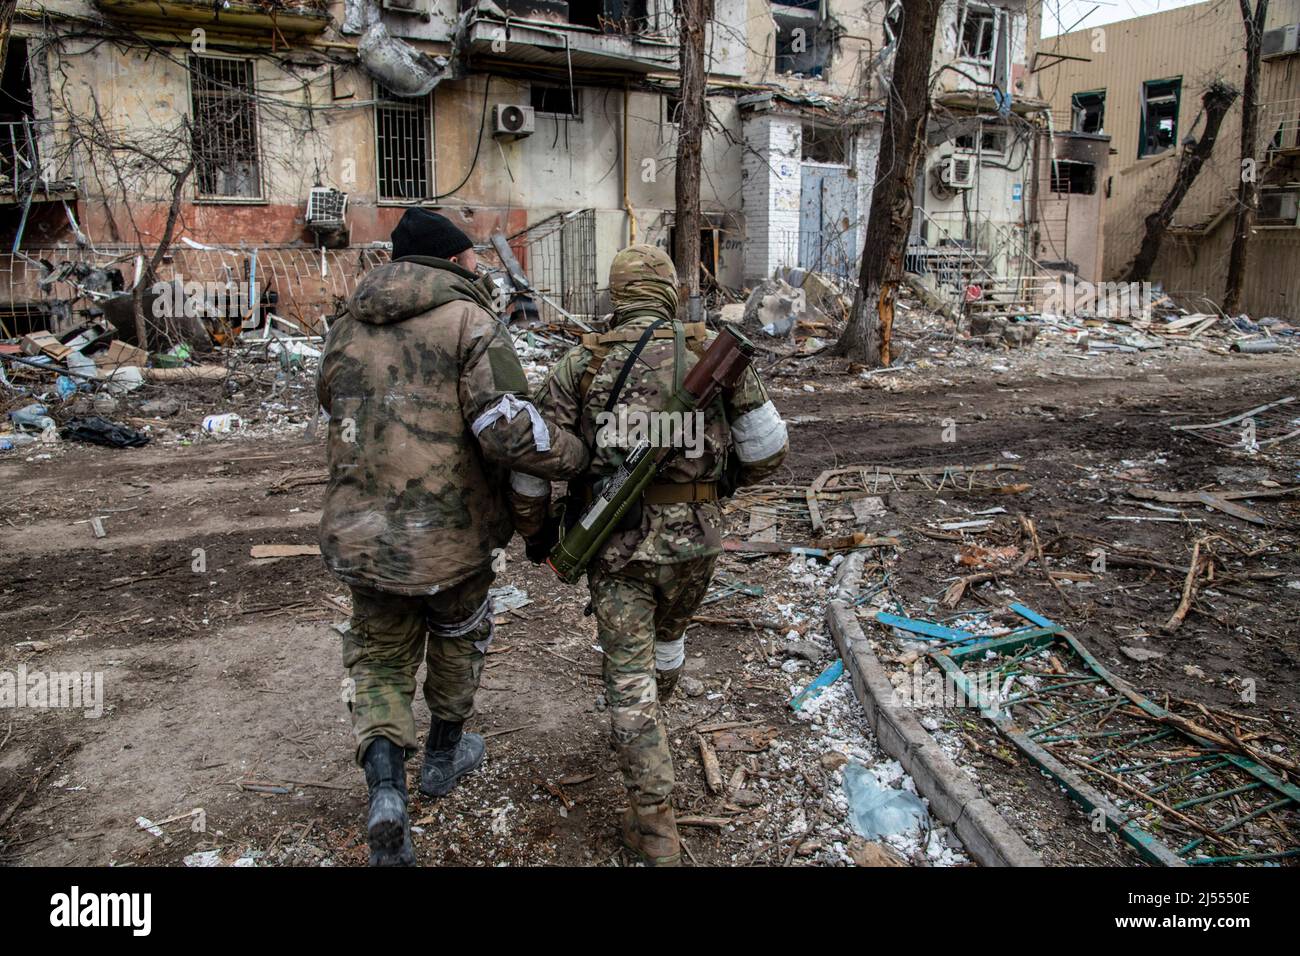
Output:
(17, 138)
(821, 144)
(1089, 111)
(224, 105)
(1159, 125)
(1279, 207)
(978, 35)
(1074, 177)
(556, 100)
(803, 42)
(403, 143)
(608, 16)
(672, 107)
(991, 140)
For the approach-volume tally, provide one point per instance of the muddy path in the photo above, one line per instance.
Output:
(222, 679)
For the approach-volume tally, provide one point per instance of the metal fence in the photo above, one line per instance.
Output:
(558, 254)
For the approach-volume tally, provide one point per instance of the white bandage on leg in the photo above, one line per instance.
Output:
(759, 434)
(670, 655)
(509, 406)
(529, 486)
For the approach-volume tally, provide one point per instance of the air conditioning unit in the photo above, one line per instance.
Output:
(1280, 42)
(325, 208)
(958, 172)
(512, 122)
(1279, 206)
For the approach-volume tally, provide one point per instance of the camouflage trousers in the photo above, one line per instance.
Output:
(640, 604)
(390, 633)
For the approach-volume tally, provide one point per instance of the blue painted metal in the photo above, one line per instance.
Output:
(823, 680)
(936, 631)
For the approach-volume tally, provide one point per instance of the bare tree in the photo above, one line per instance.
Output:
(691, 16)
(127, 166)
(866, 336)
(1216, 101)
(1248, 186)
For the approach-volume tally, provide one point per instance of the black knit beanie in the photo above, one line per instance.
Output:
(424, 233)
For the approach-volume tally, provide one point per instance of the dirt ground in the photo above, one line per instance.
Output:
(222, 676)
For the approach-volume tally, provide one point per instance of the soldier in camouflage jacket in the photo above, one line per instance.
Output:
(430, 420)
(652, 575)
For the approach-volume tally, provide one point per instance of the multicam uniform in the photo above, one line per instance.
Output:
(650, 578)
(428, 408)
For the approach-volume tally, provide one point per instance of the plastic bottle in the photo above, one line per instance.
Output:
(32, 416)
(222, 424)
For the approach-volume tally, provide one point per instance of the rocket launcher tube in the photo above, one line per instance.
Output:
(718, 370)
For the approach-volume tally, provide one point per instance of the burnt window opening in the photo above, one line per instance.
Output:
(672, 107)
(803, 42)
(403, 146)
(978, 35)
(18, 162)
(1279, 207)
(1089, 111)
(1074, 177)
(16, 85)
(992, 140)
(556, 100)
(227, 162)
(821, 144)
(1159, 118)
(608, 16)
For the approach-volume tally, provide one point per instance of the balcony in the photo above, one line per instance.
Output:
(600, 35)
(21, 178)
(285, 17)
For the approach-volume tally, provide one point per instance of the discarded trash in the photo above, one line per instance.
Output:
(876, 811)
(283, 550)
(99, 431)
(508, 598)
(206, 858)
(222, 424)
(33, 416)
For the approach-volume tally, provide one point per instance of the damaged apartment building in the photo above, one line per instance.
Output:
(1129, 85)
(272, 146)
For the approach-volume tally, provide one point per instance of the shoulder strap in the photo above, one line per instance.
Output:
(598, 343)
(626, 370)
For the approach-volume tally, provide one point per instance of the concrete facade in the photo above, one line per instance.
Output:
(609, 147)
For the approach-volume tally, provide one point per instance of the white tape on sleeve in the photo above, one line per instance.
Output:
(759, 434)
(509, 406)
(670, 655)
(529, 486)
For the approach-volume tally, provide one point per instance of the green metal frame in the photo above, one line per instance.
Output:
(1027, 641)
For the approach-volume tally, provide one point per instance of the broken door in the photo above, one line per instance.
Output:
(828, 213)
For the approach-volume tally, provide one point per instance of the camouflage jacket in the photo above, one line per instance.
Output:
(428, 409)
(669, 533)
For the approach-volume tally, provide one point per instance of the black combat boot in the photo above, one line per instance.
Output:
(388, 828)
(449, 754)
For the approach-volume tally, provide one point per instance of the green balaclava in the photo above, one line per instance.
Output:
(643, 281)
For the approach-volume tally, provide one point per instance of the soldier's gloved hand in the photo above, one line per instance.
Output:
(538, 547)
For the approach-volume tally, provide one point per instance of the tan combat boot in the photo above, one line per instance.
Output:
(651, 833)
(666, 681)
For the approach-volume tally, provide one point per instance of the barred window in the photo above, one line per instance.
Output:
(224, 105)
(403, 142)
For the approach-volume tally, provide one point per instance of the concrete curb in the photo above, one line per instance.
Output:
(953, 796)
